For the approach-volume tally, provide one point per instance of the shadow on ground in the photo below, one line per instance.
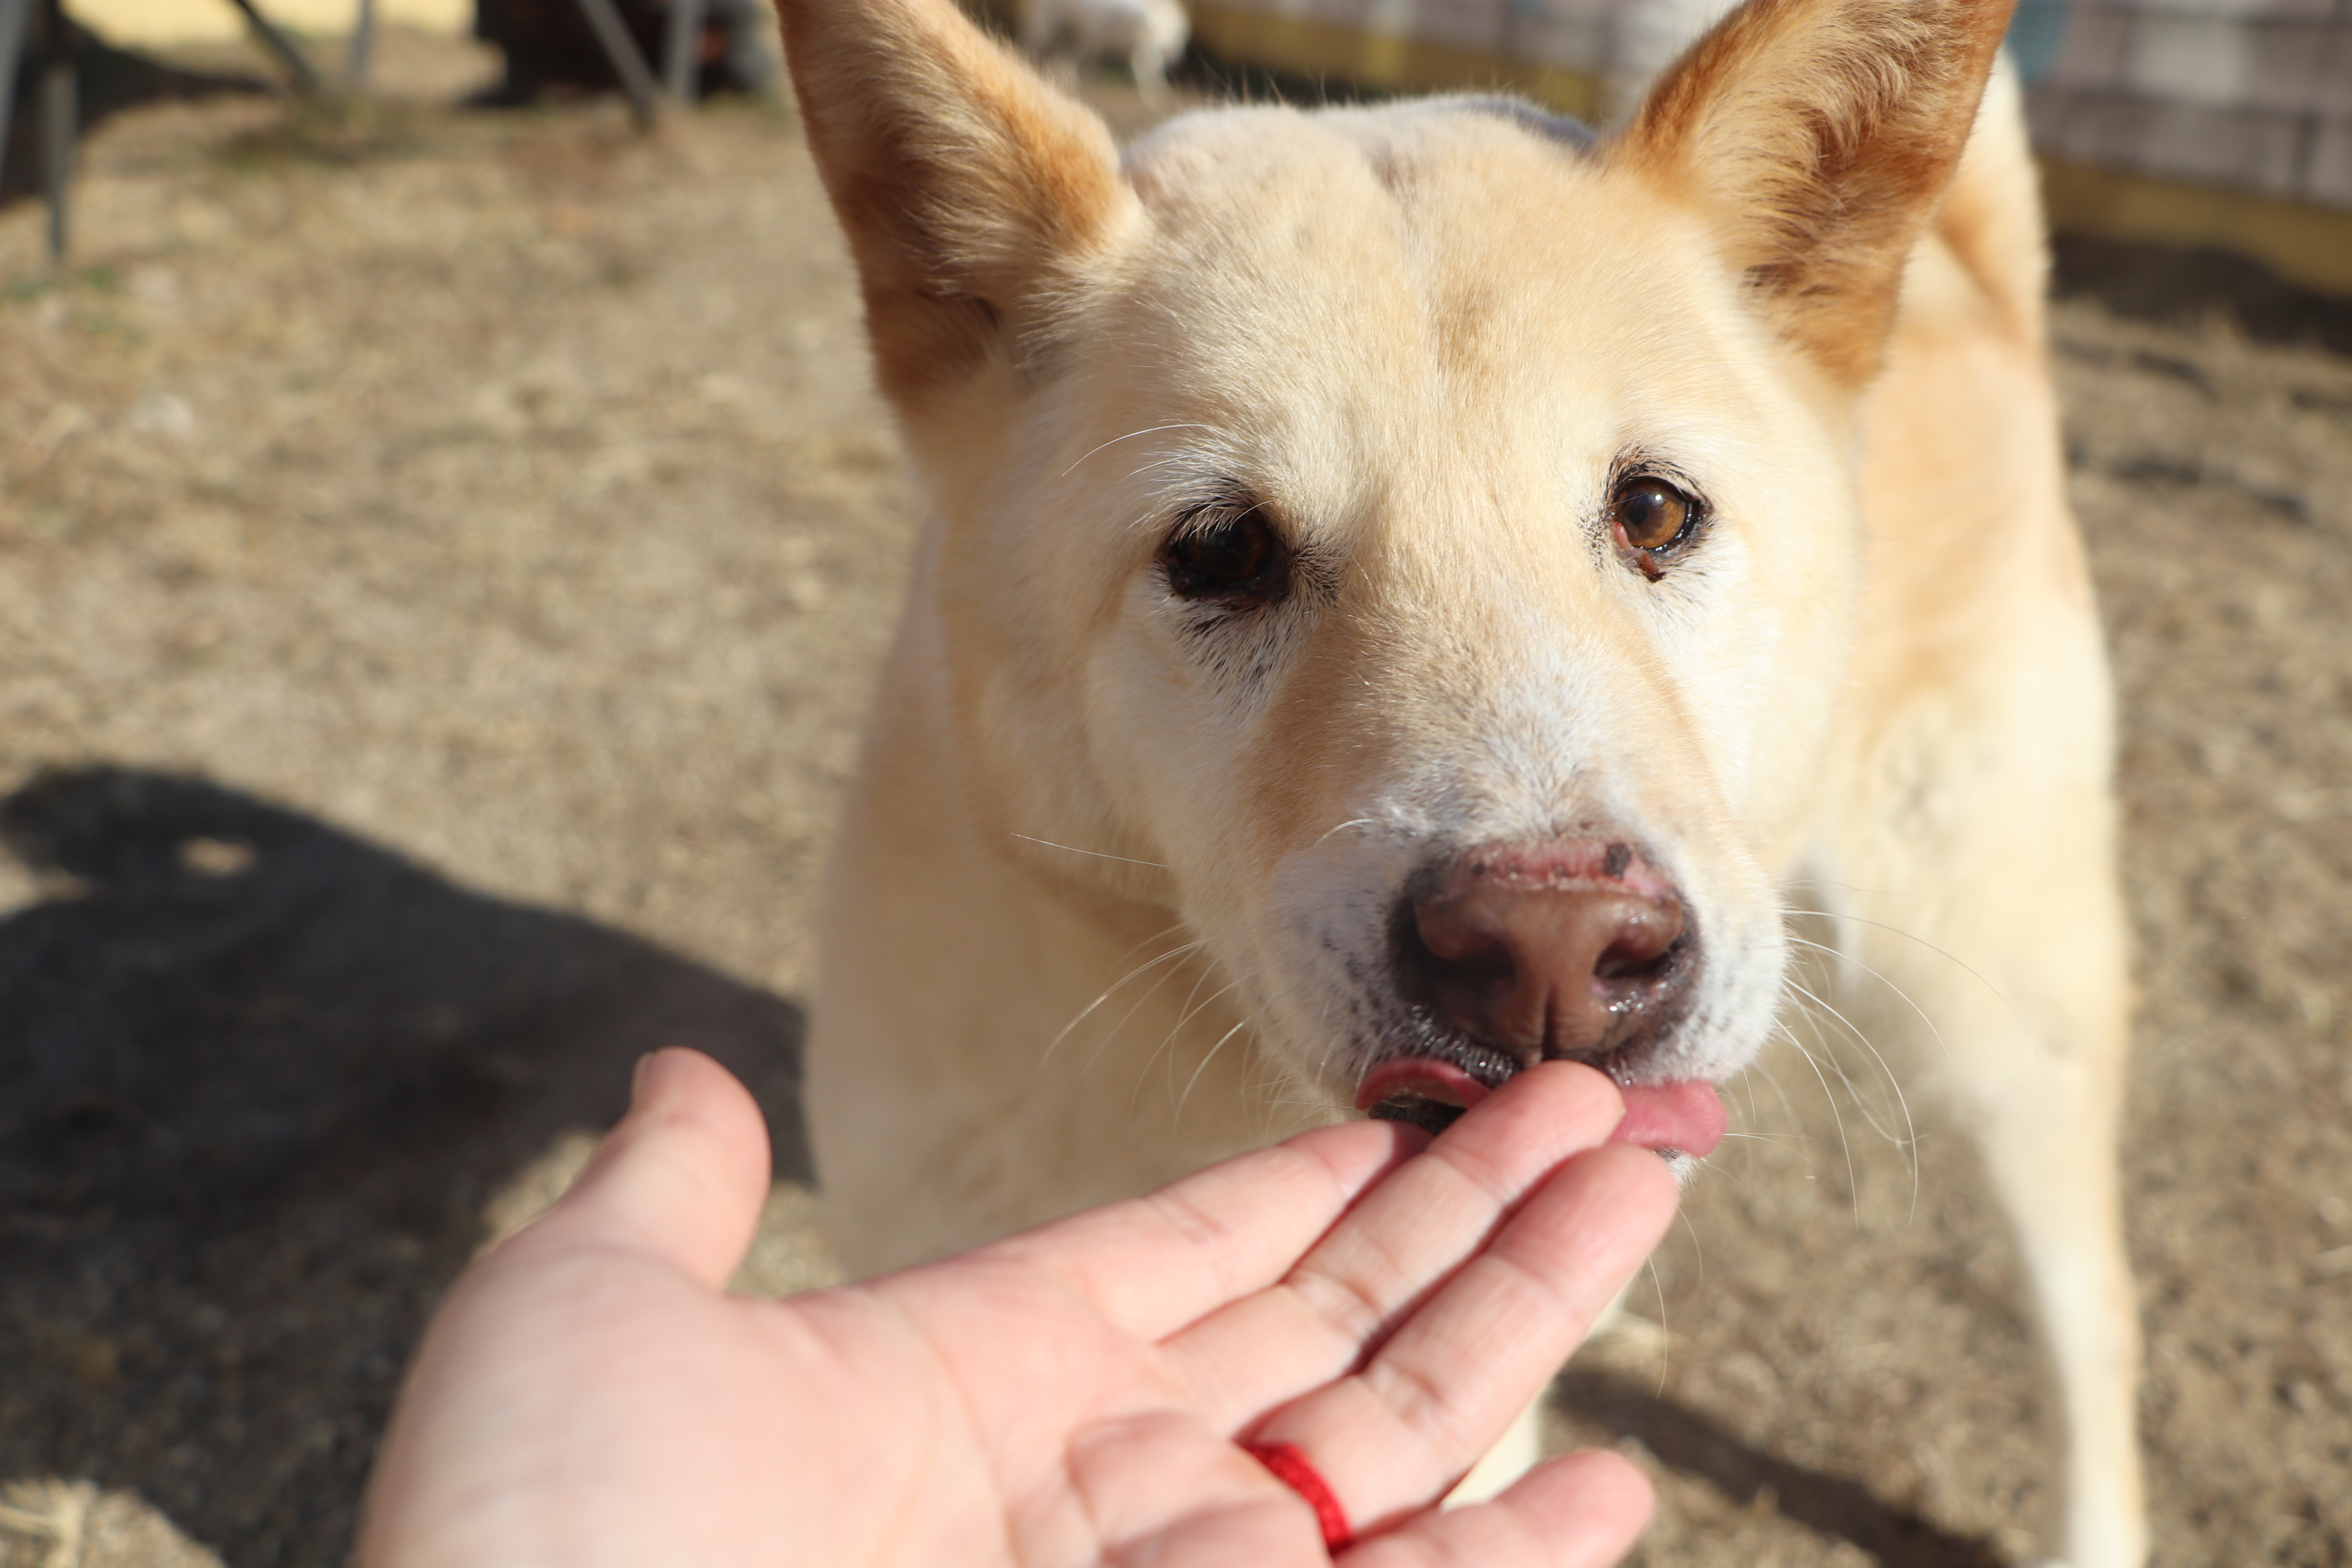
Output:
(2181, 285)
(257, 1080)
(1835, 1506)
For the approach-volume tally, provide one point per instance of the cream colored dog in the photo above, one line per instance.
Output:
(1407, 585)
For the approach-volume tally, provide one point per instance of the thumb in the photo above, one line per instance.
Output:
(680, 1177)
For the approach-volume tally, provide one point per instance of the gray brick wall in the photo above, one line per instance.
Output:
(2253, 95)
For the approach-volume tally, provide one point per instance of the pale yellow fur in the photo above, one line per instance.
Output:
(1095, 902)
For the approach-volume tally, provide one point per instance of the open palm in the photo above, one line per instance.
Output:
(1073, 1395)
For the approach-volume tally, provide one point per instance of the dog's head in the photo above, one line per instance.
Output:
(1416, 544)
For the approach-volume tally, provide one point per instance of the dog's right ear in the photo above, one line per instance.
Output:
(967, 186)
(1818, 135)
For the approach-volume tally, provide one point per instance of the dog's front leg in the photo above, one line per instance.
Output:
(1989, 969)
(2048, 1142)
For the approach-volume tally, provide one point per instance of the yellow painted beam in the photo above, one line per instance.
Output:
(1367, 58)
(2303, 243)
(145, 24)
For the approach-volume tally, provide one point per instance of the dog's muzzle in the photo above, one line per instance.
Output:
(1509, 954)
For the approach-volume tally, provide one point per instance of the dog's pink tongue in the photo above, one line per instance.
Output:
(1685, 1116)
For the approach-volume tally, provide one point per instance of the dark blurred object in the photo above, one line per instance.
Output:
(105, 81)
(2174, 284)
(272, 37)
(550, 43)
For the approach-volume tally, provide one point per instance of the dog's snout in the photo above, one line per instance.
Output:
(1577, 948)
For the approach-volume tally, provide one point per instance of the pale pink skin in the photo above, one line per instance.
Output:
(1688, 1116)
(590, 1394)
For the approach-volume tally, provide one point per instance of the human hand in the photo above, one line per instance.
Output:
(1074, 1395)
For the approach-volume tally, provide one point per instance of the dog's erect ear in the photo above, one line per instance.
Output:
(1818, 136)
(965, 183)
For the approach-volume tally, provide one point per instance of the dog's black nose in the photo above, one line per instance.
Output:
(1574, 948)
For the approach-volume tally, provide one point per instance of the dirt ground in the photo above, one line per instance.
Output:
(442, 562)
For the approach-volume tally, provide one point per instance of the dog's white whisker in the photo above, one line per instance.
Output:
(1186, 1014)
(1166, 1051)
(1184, 461)
(1762, 1068)
(1699, 1251)
(1819, 1016)
(1128, 860)
(1109, 990)
(1909, 1142)
(1846, 1144)
(1754, 1118)
(1908, 936)
(1909, 1139)
(1185, 1098)
(1343, 827)
(1665, 1338)
(1130, 436)
(1111, 1035)
(1844, 957)
(1182, 950)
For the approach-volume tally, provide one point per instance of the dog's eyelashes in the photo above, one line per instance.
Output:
(1239, 589)
(1232, 557)
(1651, 519)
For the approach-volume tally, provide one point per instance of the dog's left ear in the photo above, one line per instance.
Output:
(967, 186)
(1818, 136)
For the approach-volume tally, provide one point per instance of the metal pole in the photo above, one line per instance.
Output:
(13, 15)
(645, 93)
(60, 118)
(306, 80)
(355, 64)
(683, 66)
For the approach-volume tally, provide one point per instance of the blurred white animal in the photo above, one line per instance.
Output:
(1149, 34)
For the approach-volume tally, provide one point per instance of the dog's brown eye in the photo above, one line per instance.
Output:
(1651, 518)
(1650, 514)
(1234, 557)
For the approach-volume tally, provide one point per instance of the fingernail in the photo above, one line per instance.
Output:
(638, 1078)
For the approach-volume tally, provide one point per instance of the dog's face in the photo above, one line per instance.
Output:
(1413, 544)
(1412, 493)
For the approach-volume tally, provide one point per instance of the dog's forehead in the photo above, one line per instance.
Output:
(1196, 149)
(1232, 170)
(1479, 226)
(1465, 277)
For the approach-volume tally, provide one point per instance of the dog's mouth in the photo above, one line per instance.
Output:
(1679, 1119)
(1430, 1091)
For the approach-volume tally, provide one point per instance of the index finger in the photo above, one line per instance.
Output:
(1155, 1264)
(1397, 1246)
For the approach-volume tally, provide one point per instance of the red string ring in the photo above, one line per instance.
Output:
(1294, 1469)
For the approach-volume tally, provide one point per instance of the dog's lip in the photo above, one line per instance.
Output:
(1429, 1078)
(1686, 1117)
